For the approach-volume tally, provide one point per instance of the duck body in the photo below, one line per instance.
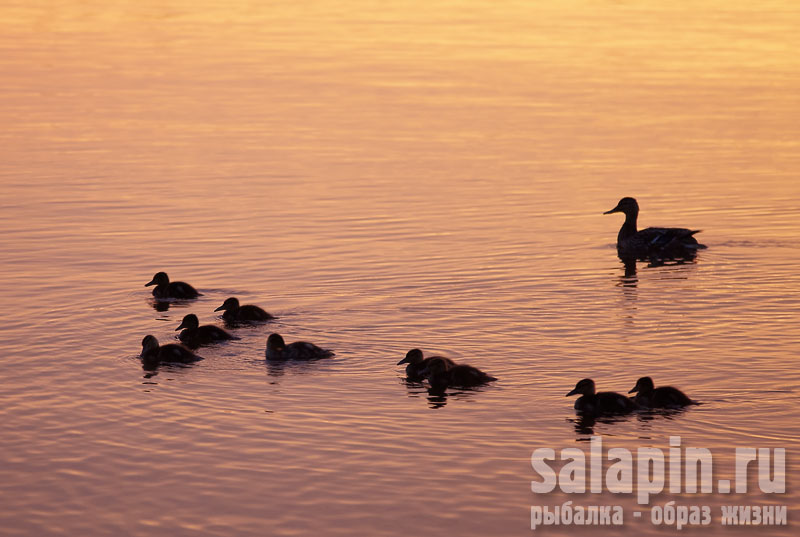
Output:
(605, 403)
(234, 312)
(153, 353)
(594, 403)
(652, 242)
(194, 335)
(167, 289)
(417, 364)
(442, 375)
(649, 396)
(278, 350)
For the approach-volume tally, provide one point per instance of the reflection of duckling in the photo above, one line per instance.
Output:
(662, 397)
(652, 242)
(600, 403)
(195, 335)
(277, 349)
(417, 364)
(154, 353)
(235, 312)
(442, 375)
(167, 289)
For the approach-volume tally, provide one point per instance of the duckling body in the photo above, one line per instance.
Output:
(195, 335)
(417, 364)
(167, 289)
(153, 353)
(278, 350)
(441, 375)
(233, 312)
(593, 403)
(649, 396)
(652, 242)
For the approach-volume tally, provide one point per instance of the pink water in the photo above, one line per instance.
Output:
(422, 174)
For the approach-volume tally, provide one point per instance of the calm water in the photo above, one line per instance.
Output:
(425, 174)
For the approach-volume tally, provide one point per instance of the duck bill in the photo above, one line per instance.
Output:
(403, 361)
(573, 392)
(634, 389)
(614, 210)
(152, 282)
(222, 307)
(181, 326)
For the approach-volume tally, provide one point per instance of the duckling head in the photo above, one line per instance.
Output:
(275, 343)
(160, 278)
(583, 387)
(643, 385)
(625, 205)
(149, 345)
(189, 321)
(414, 356)
(231, 303)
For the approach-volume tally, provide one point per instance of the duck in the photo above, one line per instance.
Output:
(649, 396)
(417, 363)
(234, 312)
(153, 353)
(441, 375)
(277, 349)
(195, 335)
(600, 403)
(167, 289)
(652, 242)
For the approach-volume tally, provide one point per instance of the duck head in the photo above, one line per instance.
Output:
(626, 205)
(414, 356)
(189, 321)
(644, 385)
(231, 303)
(160, 278)
(149, 345)
(275, 343)
(583, 387)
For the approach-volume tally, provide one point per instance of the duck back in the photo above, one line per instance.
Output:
(204, 335)
(302, 350)
(605, 403)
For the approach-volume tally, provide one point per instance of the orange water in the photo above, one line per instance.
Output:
(382, 177)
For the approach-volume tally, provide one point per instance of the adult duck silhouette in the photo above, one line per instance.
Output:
(652, 243)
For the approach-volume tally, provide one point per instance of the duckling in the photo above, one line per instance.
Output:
(662, 397)
(234, 312)
(417, 364)
(154, 353)
(167, 289)
(652, 242)
(277, 349)
(442, 375)
(600, 403)
(195, 335)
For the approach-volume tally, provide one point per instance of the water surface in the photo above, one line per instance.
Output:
(423, 174)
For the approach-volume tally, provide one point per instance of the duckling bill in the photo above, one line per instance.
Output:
(593, 403)
(194, 335)
(417, 364)
(277, 350)
(652, 242)
(234, 312)
(167, 289)
(649, 396)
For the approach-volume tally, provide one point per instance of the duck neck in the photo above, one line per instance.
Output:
(629, 226)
